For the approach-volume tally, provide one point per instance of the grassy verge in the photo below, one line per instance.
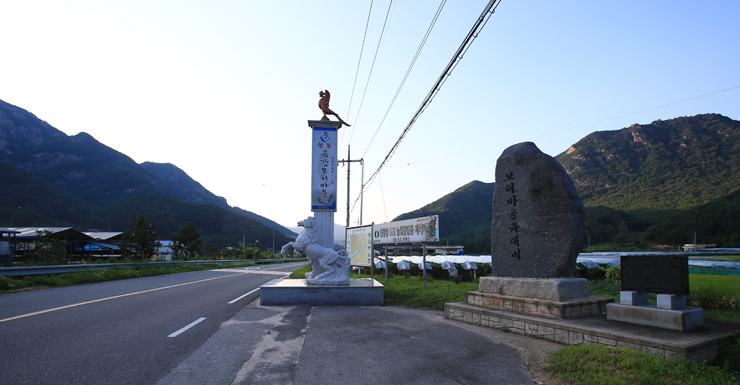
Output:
(601, 365)
(94, 276)
(411, 291)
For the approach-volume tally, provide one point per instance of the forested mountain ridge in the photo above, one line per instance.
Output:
(630, 179)
(30, 201)
(178, 180)
(192, 191)
(21, 130)
(465, 216)
(50, 178)
(667, 164)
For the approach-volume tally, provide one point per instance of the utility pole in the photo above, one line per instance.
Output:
(273, 241)
(362, 162)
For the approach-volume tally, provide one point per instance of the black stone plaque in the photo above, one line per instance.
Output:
(662, 274)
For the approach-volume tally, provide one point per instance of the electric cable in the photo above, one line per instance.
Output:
(408, 71)
(474, 31)
(571, 128)
(362, 49)
(369, 75)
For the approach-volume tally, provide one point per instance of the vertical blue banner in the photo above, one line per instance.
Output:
(324, 169)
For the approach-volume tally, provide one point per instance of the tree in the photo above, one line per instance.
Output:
(142, 237)
(49, 250)
(186, 241)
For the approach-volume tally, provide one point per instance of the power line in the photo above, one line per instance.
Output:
(408, 71)
(372, 66)
(479, 24)
(578, 126)
(367, 23)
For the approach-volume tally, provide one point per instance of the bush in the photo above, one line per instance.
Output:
(705, 298)
(729, 356)
(6, 283)
(614, 274)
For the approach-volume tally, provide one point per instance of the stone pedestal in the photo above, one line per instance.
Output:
(551, 298)
(669, 313)
(294, 292)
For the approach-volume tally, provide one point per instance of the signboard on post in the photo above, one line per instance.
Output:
(417, 230)
(324, 168)
(359, 243)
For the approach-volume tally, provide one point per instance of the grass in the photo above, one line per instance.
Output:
(94, 276)
(601, 365)
(727, 285)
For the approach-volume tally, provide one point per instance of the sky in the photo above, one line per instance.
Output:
(224, 89)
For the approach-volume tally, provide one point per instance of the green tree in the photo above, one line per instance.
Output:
(141, 241)
(186, 242)
(49, 250)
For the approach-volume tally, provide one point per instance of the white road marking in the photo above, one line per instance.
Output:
(177, 333)
(236, 299)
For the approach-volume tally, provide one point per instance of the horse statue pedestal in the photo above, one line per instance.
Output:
(331, 287)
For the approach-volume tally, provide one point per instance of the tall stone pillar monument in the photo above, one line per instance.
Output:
(324, 176)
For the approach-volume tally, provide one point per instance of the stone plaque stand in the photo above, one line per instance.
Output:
(666, 275)
(670, 312)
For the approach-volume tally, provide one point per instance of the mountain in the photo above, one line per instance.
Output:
(634, 181)
(191, 191)
(176, 179)
(717, 222)
(67, 178)
(672, 164)
(29, 201)
(465, 216)
(78, 164)
(221, 227)
(21, 130)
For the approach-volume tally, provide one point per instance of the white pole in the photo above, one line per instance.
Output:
(362, 187)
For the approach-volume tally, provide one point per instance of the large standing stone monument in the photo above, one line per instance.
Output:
(537, 216)
(536, 237)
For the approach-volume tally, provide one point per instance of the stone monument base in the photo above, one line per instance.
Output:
(669, 313)
(293, 292)
(551, 298)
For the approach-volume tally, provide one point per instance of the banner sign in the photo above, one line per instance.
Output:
(324, 169)
(359, 243)
(424, 229)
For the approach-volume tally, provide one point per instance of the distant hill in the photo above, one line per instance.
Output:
(717, 222)
(221, 227)
(672, 164)
(465, 216)
(60, 178)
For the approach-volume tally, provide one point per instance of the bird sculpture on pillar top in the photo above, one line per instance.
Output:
(324, 106)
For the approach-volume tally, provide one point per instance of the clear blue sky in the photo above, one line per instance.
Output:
(223, 89)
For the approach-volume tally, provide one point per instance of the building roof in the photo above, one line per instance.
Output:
(66, 233)
(104, 235)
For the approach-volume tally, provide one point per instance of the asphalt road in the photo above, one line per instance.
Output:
(121, 332)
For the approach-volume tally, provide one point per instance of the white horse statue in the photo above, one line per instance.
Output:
(332, 267)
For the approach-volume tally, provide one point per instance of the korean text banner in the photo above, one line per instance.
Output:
(324, 169)
(424, 229)
(359, 243)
